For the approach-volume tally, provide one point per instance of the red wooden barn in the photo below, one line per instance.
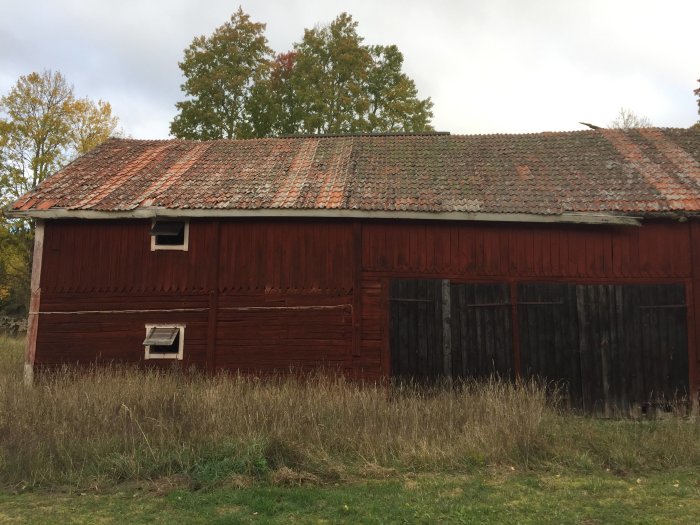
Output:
(572, 256)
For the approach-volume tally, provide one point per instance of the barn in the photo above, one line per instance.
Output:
(571, 256)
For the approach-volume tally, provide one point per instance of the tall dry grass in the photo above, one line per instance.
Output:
(107, 425)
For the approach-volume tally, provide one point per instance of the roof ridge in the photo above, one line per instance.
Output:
(397, 134)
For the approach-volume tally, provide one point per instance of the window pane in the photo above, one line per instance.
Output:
(167, 228)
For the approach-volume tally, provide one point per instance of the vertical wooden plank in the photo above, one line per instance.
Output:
(446, 328)
(34, 302)
(694, 315)
(517, 363)
(213, 258)
(584, 345)
(634, 341)
(458, 335)
(357, 288)
(423, 327)
(386, 358)
(680, 350)
(605, 339)
(435, 331)
(619, 364)
(455, 261)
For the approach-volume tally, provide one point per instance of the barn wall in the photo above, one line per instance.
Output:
(658, 252)
(479, 250)
(253, 295)
(263, 295)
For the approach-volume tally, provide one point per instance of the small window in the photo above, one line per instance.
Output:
(164, 341)
(169, 234)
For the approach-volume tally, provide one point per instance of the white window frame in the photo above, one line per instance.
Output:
(181, 346)
(181, 247)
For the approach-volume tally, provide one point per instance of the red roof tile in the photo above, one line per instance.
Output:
(645, 171)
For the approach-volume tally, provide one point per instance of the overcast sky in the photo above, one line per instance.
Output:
(488, 65)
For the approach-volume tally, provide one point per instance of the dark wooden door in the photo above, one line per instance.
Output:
(656, 342)
(453, 330)
(609, 346)
(549, 346)
(416, 332)
(481, 330)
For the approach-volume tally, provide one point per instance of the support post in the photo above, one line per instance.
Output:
(34, 303)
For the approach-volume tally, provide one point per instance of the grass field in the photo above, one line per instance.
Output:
(484, 497)
(116, 444)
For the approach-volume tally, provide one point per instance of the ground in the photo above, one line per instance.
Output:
(88, 448)
(490, 496)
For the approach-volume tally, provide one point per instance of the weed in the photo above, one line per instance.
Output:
(91, 427)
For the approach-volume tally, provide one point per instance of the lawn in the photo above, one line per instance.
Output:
(485, 497)
(116, 445)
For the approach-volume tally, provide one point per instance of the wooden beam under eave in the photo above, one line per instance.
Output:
(34, 303)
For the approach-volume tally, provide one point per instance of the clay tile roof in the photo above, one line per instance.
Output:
(644, 171)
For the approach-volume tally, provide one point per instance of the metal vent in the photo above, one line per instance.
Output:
(161, 336)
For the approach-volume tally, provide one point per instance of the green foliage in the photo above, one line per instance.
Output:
(329, 78)
(329, 83)
(42, 127)
(394, 103)
(15, 243)
(220, 73)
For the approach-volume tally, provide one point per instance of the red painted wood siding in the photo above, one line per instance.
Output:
(290, 257)
(282, 292)
(284, 267)
(659, 251)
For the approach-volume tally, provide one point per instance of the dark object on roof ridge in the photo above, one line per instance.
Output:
(360, 134)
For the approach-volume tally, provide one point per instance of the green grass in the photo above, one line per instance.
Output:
(120, 445)
(487, 497)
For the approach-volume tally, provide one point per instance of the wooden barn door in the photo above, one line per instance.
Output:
(452, 330)
(416, 328)
(610, 346)
(481, 331)
(658, 317)
(549, 336)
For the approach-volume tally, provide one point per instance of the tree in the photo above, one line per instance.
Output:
(329, 83)
(42, 126)
(93, 123)
(341, 85)
(628, 119)
(220, 74)
(330, 77)
(394, 103)
(273, 106)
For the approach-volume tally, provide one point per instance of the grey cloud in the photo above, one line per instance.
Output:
(489, 65)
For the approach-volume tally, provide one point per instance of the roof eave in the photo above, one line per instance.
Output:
(153, 212)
